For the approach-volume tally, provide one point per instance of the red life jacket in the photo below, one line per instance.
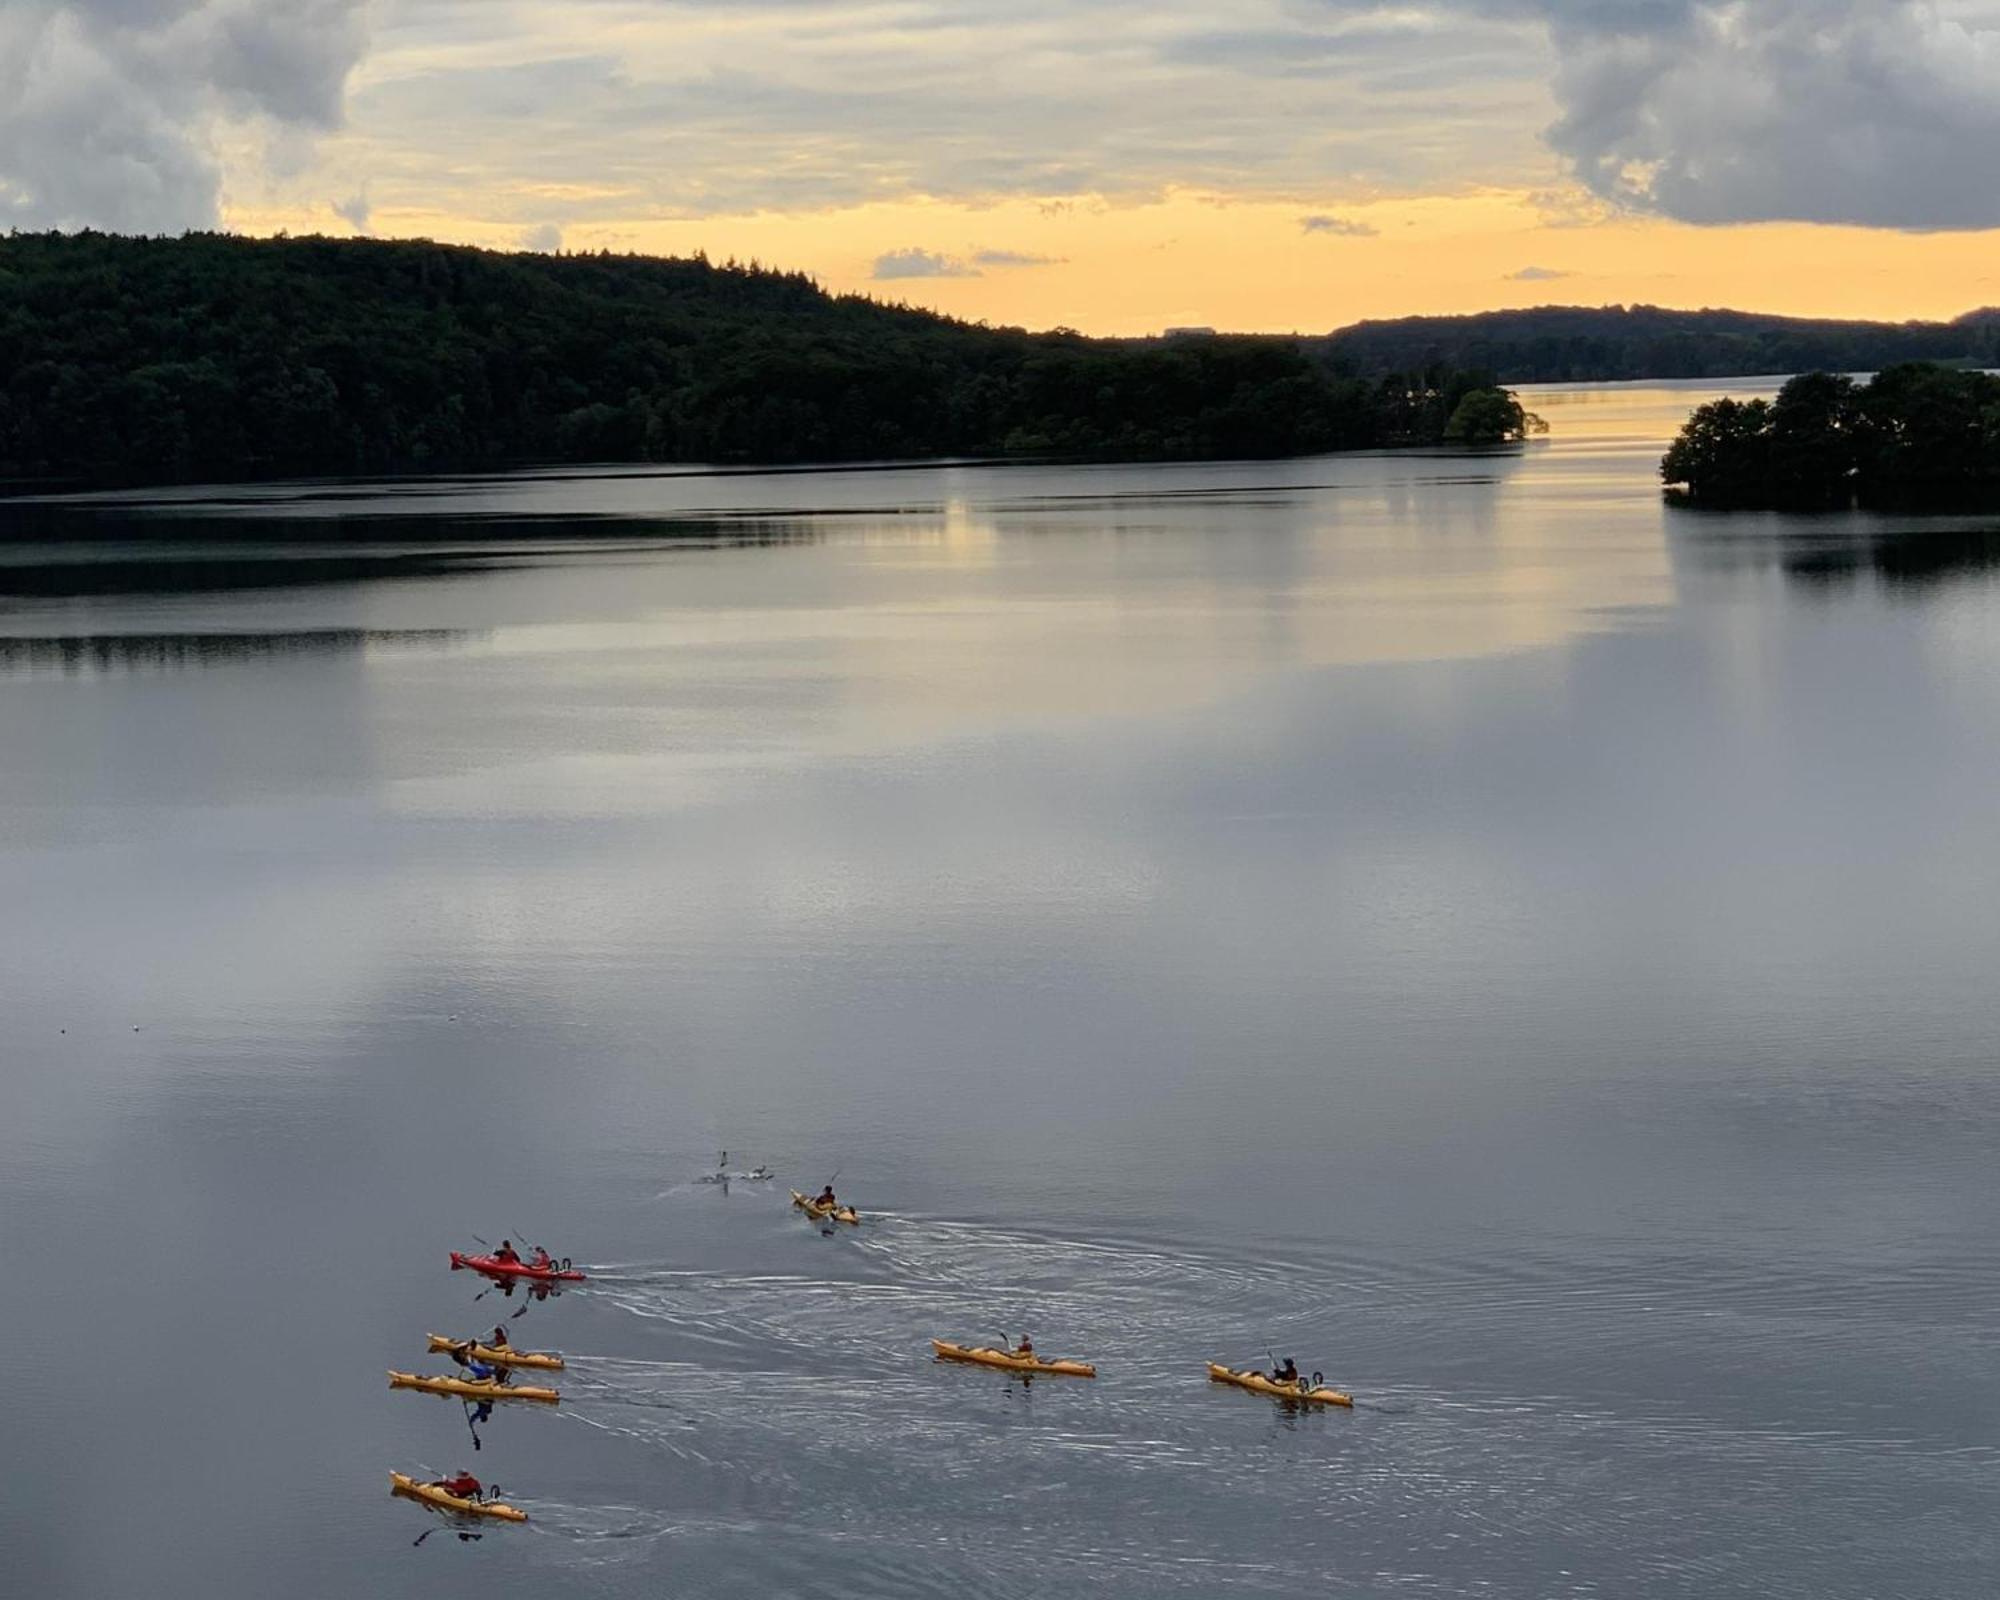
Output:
(465, 1486)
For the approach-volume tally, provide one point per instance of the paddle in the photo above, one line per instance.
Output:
(469, 1428)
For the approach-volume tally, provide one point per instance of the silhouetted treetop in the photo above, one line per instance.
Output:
(1917, 433)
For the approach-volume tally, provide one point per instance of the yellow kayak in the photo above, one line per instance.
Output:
(431, 1495)
(471, 1388)
(501, 1355)
(1258, 1382)
(820, 1213)
(1011, 1362)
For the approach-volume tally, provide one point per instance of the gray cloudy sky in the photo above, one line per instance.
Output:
(477, 115)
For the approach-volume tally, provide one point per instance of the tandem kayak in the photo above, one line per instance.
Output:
(1011, 1362)
(431, 1495)
(471, 1388)
(499, 1355)
(1260, 1384)
(820, 1213)
(494, 1267)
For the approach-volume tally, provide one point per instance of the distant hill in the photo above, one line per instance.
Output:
(1599, 344)
(143, 360)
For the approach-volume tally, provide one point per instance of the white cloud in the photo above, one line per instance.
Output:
(110, 109)
(1879, 112)
(914, 263)
(1538, 275)
(1013, 258)
(355, 210)
(544, 237)
(1339, 227)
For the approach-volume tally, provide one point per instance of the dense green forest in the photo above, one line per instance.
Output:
(135, 360)
(1917, 434)
(1558, 344)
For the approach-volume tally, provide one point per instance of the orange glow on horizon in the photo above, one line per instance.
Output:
(1253, 265)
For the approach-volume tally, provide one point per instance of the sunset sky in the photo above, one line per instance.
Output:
(1113, 166)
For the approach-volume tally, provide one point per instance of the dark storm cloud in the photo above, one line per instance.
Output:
(108, 107)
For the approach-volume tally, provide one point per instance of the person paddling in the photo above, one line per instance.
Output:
(506, 1254)
(543, 1260)
(1026, 1348)
(463, 1485)
(826, 1201)
(499, 1339)
(1288, 1373)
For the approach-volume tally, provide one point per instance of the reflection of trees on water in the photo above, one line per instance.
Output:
(1836, 551)
(75, 655)
(207, 573)
(1913, 558)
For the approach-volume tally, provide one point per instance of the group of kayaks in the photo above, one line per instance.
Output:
(1300, 1390)
(490, 1368)
(502, 1360)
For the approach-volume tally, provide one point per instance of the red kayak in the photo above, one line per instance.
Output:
(494, 1267)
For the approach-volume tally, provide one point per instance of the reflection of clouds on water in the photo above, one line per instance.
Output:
(1541, 1041)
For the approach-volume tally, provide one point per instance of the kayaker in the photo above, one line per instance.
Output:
(1288, 1373)
(1025, 1348)
(464, 1485)
(507, 1254)
(482, 1373)
(826, 1201)
(499, 1339)
(543, 1260)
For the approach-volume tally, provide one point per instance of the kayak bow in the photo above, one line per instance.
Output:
(471, 1388)
(1007, 1360)
(431, 1495)
(495, 1355)
(1259, 1384)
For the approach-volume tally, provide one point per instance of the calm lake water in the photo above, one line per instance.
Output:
(1525, 951)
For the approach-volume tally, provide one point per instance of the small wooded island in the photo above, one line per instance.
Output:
(1917, 434)
(134, 360)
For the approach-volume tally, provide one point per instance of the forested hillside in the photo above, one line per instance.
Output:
(125, 359)
(1580, 343)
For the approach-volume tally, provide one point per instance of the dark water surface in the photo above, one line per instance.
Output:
(1526, 952)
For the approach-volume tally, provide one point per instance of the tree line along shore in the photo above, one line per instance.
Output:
(213, 356)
